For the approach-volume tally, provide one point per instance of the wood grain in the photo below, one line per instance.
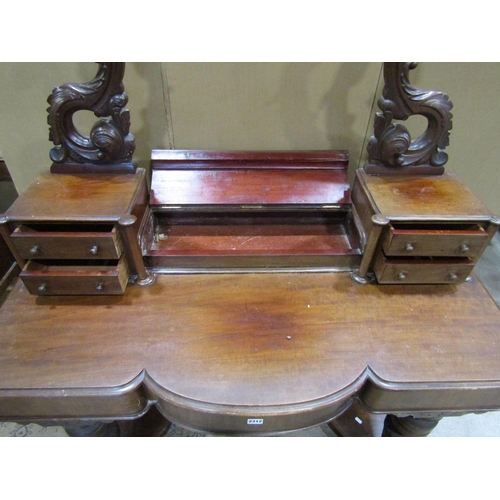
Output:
(249, 187)
(83, 197)
(440, 197)
(214, 350)
(182, 177)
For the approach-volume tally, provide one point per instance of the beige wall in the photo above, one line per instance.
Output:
(256, 106)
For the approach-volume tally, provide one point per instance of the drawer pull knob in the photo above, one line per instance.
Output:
(35, 250)
(401, 276)
(94, 250)
(42, 288)
(453, 276)
(464, 248)
(409, 247)
(100, 287)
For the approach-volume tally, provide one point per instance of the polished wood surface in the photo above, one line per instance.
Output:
(216, 350)
(165, 158)
(78, 197)
(264, 239)
(230, 187)
(249, 178)
(434, 197)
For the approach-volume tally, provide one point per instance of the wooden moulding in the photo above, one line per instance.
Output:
(251, 209)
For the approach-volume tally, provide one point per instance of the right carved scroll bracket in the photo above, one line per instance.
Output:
(391, 150)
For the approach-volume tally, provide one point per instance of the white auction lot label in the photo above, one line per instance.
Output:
(255, 421)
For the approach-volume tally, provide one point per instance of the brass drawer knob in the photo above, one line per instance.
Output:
(401, 276)
(100, 287)
(94, 250)
(35, 250)
(42, 288)
(464, 248)
(453, 276)
(409, 247)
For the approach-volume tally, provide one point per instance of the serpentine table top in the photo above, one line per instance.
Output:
(250, 353)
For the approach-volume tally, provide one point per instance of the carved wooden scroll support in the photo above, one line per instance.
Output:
(391, 149)
(110, 145)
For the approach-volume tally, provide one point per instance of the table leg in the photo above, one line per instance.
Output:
(91, 429)
(152, 424)
(408, 426)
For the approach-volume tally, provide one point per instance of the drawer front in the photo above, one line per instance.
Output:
(435, 242)
(32, 244)
(414, 271)
(75, 280)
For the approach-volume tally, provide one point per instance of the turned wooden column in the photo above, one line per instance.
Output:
(408, 426)
(361, 275)
(134, 254)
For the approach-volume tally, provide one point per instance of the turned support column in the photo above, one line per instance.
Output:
(361, 275)
(408, 426)
(133, 250)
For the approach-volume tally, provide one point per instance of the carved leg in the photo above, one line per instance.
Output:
(408, 426)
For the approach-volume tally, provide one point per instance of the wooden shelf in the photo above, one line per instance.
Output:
(261, 240)
(259, 210)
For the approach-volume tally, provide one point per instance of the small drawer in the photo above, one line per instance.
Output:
(51, 241)
(446, 241)
(75, 279)
(413, 271)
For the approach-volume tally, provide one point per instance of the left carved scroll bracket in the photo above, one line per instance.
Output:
(109, 146)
